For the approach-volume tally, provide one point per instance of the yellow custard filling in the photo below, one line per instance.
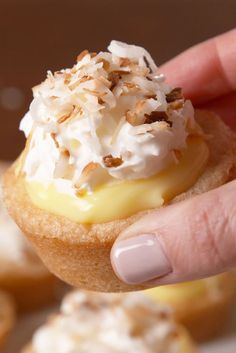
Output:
(123, 198)
(184, 292)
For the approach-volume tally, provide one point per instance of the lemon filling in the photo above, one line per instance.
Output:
(121, 199)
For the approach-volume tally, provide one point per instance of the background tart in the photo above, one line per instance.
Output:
(111, 323)
(203, 306)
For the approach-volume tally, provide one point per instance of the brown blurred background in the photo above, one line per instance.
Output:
(37, 35)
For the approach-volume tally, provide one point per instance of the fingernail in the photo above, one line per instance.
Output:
(139, 259)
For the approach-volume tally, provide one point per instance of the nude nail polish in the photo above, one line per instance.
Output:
(139, 259)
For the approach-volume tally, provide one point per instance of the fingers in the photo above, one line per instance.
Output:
(181, 242)
(205, 71)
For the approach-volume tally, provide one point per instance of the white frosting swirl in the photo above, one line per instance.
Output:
(109, 117)
(107, 323)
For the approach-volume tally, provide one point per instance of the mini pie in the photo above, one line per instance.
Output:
(107, 323)
(107, 142)
(203, 306)
(7, 317)
(22, 273)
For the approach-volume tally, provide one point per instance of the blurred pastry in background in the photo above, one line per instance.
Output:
(22, 273)
(105, 323)
(202, 306)
(7, 317)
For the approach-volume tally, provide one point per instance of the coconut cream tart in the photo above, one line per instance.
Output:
(108, 141)
(109, 138)
(110, 323)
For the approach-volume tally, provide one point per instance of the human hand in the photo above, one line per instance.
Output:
(197, 237)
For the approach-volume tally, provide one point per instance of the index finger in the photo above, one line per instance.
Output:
(205, 71)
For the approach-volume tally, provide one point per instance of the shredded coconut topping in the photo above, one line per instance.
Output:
(105, 323)
(111, 110)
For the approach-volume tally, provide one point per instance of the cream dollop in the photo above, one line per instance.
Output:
(106, 323)
(110, 117)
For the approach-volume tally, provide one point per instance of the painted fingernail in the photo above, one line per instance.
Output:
(139, 259)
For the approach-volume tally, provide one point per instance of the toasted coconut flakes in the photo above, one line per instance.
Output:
(88, 169)
(139, 70)
(92, 91)
(100, 100)
(63, 118)
(156, 116)
(106, 64)
(131, 118)
(151, 96)
(139, 105)
(112, 162)
(122, 72)
(114, 78)
(82, 55)
(67, 79)
(147, 64)
(74, 85)
(76, 110)
(85, 78)
(106, 82)
(53, 135)
(131, 85)
(59, 73)
(53, 97)
(125, 62)
(178, 104)
(174, 95)
(81, 80)
(93, 54)
(74, 70)
(66, 153)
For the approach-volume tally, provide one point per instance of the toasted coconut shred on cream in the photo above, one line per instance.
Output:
(109, 323)
(109, 118)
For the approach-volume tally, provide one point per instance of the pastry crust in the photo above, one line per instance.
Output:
(80, 254)
(28, 281)
(7, 317)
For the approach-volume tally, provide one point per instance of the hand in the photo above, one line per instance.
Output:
(197, 237)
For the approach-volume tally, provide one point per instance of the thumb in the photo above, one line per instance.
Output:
(181, 242)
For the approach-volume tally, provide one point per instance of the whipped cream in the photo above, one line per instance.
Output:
(106, 323)
(110, 117)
